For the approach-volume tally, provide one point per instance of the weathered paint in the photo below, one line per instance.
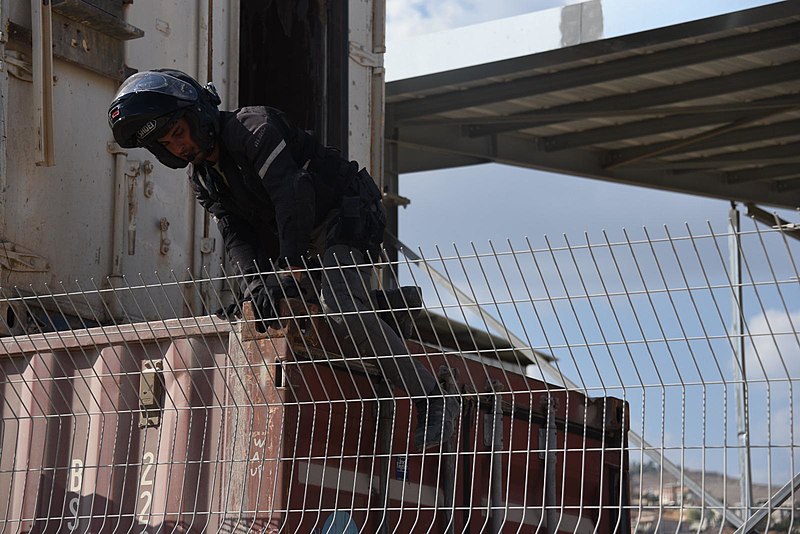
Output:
(63, 214)
(269, 432)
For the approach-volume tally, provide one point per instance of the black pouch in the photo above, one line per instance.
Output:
(351, 222)
(362, 218)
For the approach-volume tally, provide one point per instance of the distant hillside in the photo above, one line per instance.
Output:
(652, 482)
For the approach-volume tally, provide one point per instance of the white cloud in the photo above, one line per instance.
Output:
(784, 430)
(774, 404)
(411, 17)
(405, 18)
(774, 350)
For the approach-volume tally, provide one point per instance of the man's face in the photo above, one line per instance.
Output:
(178, 141)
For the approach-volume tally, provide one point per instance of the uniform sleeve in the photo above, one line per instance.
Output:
(288, 185)
(238, 236)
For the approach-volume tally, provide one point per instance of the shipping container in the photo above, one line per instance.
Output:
(158, 424)
(189, 425)
(76, 206)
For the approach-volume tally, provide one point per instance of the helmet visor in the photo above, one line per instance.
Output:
(158, 82)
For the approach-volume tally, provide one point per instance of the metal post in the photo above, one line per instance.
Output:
(389, 186)
(547, 444)
(447, 380)
(3, 105)
(385, 423)
(42, 31)
(493, 438)
(448, 488)
(739, 369)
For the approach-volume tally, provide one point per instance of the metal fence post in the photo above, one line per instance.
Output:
(739, 365)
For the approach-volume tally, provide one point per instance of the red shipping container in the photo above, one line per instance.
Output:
(345, 453)
(184, 426)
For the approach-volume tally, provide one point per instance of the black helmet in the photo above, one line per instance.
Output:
(149, 103)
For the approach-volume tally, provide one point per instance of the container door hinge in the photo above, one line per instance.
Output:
(364, 57)
(18, 65)
(151, 393)
(17, 258)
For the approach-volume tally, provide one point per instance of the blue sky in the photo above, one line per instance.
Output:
(601, 340)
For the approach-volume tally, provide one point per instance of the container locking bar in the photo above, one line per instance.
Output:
(151, 393)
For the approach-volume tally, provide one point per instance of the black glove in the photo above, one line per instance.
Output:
(231, 312)
(265, 292)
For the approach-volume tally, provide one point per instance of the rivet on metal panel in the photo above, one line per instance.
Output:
(151, 392)
(165, 241)
(207, 245)
(134, 167)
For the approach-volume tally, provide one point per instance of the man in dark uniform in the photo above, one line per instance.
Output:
(281, 199)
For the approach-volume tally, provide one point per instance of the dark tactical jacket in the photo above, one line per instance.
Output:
(275, 186)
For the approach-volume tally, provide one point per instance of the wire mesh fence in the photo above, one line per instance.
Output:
(628, 385)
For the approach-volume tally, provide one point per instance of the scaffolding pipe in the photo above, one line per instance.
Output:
(788, 490)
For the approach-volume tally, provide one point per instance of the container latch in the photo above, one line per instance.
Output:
(151, 393)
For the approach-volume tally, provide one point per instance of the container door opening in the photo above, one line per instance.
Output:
(293, 56)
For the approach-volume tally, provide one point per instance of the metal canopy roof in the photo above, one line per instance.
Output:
(709, 107)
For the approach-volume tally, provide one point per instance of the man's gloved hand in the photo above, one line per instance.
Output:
(265, 292)
(231, 312)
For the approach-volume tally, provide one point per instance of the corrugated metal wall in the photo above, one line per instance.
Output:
(74, 456)
(187, 426)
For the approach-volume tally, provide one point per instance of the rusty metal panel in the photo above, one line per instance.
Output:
(321, 458)
(74, 456)
(257, 433)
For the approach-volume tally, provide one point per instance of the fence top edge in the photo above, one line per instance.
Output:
(121, 334)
